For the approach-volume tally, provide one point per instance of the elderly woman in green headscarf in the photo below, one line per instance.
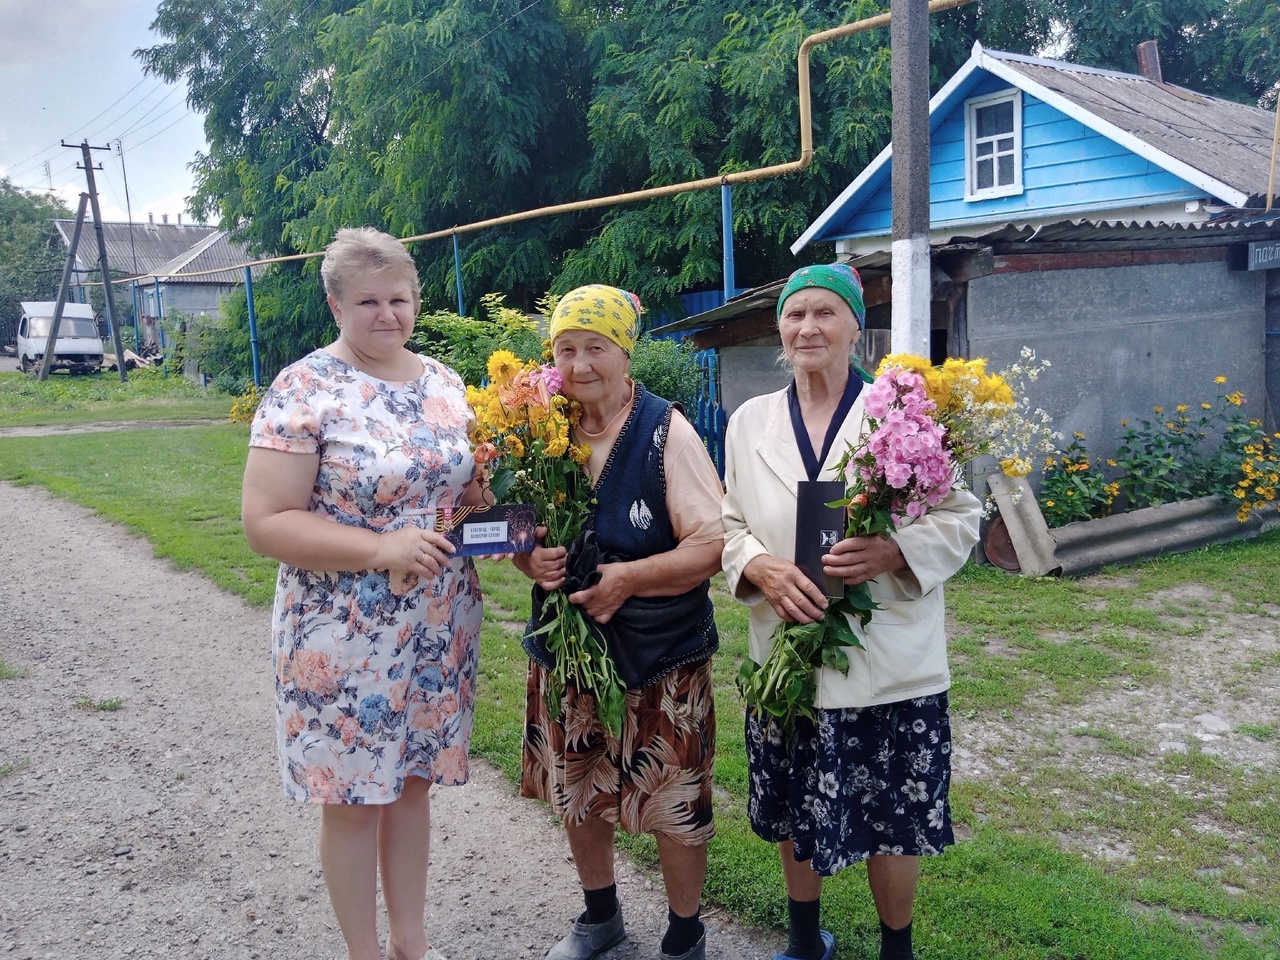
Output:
(868, 778)
(658, 527)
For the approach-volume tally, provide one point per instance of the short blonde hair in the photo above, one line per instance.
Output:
(360, 250)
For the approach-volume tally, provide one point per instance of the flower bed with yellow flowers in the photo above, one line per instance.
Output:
(1213, 449)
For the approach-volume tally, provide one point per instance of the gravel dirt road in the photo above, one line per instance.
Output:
(158, 829)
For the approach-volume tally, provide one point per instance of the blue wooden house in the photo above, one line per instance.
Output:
(1016, 138)
(1115, 223)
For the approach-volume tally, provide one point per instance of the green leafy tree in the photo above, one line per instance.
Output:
(253, 68)
(693, 90)
(417, 115)
(31, 253)
(448, 113)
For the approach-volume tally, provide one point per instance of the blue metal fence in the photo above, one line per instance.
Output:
(709, 418)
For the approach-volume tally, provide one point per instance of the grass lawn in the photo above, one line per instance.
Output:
(147, 395)
(1200, 872)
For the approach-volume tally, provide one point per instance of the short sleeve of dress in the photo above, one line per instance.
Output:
(694, 491)
(447, 374)
(287, 418)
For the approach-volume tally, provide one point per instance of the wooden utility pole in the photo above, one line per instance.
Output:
(107, 288)
(909, 76)
(51, 343)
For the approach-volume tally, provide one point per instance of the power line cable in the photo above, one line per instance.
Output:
(97, 133)
(160, 86)
(139, 125)
(174, 123)
(17, 171)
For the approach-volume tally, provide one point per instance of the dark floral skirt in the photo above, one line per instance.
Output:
(656, 778)
(859, 782)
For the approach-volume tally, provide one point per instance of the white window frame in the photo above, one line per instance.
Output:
(971, 107)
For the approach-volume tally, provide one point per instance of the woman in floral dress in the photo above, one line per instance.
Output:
(375, 630)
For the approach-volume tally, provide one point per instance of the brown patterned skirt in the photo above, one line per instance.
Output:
(656, 779)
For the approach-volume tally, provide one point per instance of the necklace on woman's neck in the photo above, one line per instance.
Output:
(588, 434)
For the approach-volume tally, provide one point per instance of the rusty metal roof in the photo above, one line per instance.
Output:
(160, 248)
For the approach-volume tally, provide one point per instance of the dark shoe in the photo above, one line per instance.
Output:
(697, 952)
(588, 940)
(828, 940)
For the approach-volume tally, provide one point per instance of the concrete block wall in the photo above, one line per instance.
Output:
(1122, 340)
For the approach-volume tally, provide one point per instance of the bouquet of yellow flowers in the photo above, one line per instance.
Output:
(923, 424)
(521, 433)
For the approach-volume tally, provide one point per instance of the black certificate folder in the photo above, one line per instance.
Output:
(818, 529)
(503, 528)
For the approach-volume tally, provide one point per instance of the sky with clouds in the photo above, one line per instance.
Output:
(68, 73)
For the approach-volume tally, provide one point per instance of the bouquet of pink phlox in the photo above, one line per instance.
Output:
(901, 465)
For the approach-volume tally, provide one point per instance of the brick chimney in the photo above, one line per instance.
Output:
(1149, 60)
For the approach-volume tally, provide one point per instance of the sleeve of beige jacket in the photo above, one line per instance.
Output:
(740, 547)
(938, 544)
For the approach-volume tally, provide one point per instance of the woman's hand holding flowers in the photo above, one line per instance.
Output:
(544, 565)
(602, 600)
(793, 596)
(859, 559)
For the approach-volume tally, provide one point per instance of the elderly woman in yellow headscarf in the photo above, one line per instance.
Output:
(658, 526)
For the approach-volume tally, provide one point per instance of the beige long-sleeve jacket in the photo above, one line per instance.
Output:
(906, 649)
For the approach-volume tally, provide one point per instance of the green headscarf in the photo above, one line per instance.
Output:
(840, 278)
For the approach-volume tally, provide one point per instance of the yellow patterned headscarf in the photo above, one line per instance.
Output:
(608, 311)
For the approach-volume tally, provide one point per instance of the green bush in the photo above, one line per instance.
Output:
(1152, 462)
(464, 343)
(666, 367)
(1179, 457)
(669, 369)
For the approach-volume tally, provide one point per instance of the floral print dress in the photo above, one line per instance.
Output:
(375, 675)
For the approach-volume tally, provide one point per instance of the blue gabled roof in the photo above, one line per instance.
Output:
(1111, 142)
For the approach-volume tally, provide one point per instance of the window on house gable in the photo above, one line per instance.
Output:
(993, 143)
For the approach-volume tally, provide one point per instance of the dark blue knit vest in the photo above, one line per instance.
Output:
(648, 636)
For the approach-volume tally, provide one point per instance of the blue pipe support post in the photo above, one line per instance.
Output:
(457, 275)
(137, 326)
(253, 327)
(160, 317)
(726, 221)
(164, 346)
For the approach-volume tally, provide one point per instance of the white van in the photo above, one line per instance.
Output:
(79, 348)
